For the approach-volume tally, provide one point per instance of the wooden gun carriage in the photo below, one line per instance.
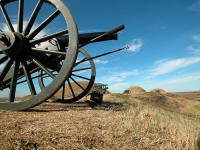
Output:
(44, 65)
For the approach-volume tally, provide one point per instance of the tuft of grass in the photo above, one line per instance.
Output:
(160, 129)
(124, 97)
(197, 107)
(21, 144)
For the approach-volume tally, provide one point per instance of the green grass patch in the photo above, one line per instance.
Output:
(197, 107)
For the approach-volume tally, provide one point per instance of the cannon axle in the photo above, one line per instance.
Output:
(13, 44)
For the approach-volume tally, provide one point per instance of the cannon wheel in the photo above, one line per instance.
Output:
(75, 90)
(12, 64)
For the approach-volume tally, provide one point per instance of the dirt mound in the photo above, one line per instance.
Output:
(26, 97)
(171, 94)
(161, 91)
(134, 90)
(75, 87)
(159, 100)
(108, 92)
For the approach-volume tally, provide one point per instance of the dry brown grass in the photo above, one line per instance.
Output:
(122, 122)
(161, 91)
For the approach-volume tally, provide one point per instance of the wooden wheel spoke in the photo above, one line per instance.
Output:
(82, 60)
(6, 69)
(72, 81)
(28, 78)
(20, 16)
(45, 38)
(81, 69)
(46, 76)
(43, 24)
(7, 19)
(70, 86)
(14, 81)
(3, 59)
(20, 65)
(33, 17)
(48, 51)
(80, 77)
(41, 66)
(63, 91)
(77, 83)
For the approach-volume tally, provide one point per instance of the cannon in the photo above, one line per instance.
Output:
(38, 66)
(97, 92)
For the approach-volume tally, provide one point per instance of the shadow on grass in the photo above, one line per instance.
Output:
(77, 106)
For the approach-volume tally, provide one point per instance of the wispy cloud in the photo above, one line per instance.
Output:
(196, 38)
(195, 6)
(195, 49)
(135, 45)
(185, 79)
(167, 66)
(4, 27)
(101, 61)
(114, 79)
(121, 76)
(119, 87)
(176, 84)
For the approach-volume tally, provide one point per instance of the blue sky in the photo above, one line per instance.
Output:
(164, 40)
(164, 37)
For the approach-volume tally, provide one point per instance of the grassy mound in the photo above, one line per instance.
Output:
(134, 90)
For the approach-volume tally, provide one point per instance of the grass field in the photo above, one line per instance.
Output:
(147, 121)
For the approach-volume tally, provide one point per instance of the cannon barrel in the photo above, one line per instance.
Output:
(102, 36)
(87, 38)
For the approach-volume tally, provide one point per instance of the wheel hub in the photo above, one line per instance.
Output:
(13, 44)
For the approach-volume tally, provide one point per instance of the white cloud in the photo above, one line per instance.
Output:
(196, 38)
(119, 87)
(185, 79)
(195, 6)
(40, 34)
(81, 72)
(167, 66)
(135, 45)
(177, 84)
(130, 73)
(121, 76)
(195, 49)
(101, 61)
(114, 79)
(160, 61)
(181, 83)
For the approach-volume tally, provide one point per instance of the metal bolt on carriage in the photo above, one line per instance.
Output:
(44, 64)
